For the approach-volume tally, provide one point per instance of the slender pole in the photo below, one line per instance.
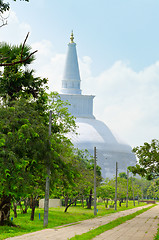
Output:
(133, 191)
(116, 185)
(95, 197)
(153, 189)
(127, 194)
(47, 186)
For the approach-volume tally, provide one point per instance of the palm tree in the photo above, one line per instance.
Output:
(17, 79)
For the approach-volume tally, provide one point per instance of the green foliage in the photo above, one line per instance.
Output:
(21, 135)
(62, 120)
(148, 156)
(123, 175)
(26, 147)
(153, 189)
(106, 192)
(18, 80)
(144, 185)
(5, 6)
(121, 187)
(107, 189)
(76, 178)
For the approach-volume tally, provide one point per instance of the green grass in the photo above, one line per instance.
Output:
(57, 217)
(157, 235)
(95, 232)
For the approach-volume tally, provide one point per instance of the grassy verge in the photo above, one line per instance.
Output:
(57, 217)
(95, 232)
(157, 235)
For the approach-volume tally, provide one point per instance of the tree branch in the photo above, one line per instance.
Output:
(24, 45)
(3, 58)
(3, 20)
(17, 62)
(21, 60)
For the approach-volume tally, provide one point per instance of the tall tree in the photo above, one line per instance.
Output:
(144, 185)
(23, 137)
(148, 156)
(153, 190)
(77, 178)
(24, 140)
(106, 192)
(122, 187)
(26, 149)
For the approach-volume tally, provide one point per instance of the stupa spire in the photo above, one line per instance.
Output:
(72, 37)
(71, 79)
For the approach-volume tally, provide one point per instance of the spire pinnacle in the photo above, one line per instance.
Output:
(72, 38)
(71, 78)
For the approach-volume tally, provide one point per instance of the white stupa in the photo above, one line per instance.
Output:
(91, 132)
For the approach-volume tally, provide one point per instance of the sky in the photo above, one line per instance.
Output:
(118, 53)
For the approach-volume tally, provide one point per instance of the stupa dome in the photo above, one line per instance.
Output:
(91, 132)
(94, 133)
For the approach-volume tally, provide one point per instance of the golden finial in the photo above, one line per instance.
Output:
(72, 38)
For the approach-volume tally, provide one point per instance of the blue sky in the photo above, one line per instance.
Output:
(106, 30)
(117, 45)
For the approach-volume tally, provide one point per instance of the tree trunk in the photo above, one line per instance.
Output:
(21, 207)
(26, 205)
(15, 209)
(32, 206)
(66, 201)
(67, 207)
(32, 213)
(5, 204)
(82, 201)
(71, 202)
(90, 200)
(106, 203)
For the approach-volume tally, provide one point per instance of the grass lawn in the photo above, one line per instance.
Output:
(57, 217)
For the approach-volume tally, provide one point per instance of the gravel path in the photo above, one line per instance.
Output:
(148, 224)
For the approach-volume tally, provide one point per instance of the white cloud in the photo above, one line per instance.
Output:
(49, 64)
(55, 72)
(44, 48)
(128, 101)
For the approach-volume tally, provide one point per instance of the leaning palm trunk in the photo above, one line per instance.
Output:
(71, 202)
